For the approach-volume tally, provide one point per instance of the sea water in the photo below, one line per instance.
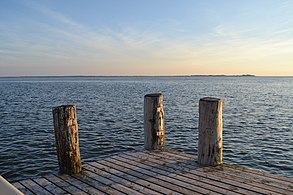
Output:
(257, 119)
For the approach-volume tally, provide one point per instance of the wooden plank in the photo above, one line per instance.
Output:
(112, 174)
(64, 185)
(149, 176)
(280, 179)
(264, 174)
(241, 168)
(22, 188)
(160, 157)
(252, 184)
(179, 155)
(156, 173)
(259, 179)
(231, 187)
(245, 184)
(225, 178)
(86, 178)
(49, 186)
(164, 176)
(182, 174)
(34, 187)
(188, 171)
(138, 177)
(262, 181)
(110, 179)
(273, 184)
(120, 189)
(81, 185)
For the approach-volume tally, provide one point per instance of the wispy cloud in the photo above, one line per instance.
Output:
(36, 6)
(63, 40)
(66, 33)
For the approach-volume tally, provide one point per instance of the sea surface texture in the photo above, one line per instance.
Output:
(257, 119)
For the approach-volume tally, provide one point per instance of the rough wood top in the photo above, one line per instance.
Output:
(153, 95)
(158, 173)
(210, 99)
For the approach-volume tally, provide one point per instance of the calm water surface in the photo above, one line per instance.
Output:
(257, 116)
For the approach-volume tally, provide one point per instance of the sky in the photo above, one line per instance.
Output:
(146, 37)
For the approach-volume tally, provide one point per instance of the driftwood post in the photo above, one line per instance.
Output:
(153, 121)
(210, 132)
(66, 135)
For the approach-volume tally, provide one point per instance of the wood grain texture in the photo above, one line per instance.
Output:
(158, 172)
(210, 132)
(154, 132)
(66, 135)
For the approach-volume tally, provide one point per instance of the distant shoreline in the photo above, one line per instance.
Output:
(58, 76)
(124, 76)
(223, 75)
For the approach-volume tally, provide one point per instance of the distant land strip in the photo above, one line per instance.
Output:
(223, 75)
(58, 76)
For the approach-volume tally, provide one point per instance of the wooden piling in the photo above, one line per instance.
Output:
(153, 122)
(66, 135)
(210, 132)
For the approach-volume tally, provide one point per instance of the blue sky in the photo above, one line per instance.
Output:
(151, 37)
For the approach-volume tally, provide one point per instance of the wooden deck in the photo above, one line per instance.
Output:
(158, 173)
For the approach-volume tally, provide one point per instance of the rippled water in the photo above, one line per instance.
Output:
(257, 116)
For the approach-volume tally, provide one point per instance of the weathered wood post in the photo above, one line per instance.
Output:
(66, 135)
(210, 132)
(153, 122)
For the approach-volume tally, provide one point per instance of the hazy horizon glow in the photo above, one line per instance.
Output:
(154, 37)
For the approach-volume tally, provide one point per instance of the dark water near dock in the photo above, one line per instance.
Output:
(257, 118)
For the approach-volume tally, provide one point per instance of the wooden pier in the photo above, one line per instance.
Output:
(158, 172)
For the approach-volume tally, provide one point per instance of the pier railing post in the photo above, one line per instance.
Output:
(154, 131)
(210, 132)
(66, 135)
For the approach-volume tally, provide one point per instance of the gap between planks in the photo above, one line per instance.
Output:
(164, 172)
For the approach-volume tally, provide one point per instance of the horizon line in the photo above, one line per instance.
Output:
(192, 75)
(183, 75)
(124, 76)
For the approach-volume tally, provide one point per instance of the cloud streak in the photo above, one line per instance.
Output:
(65, 41)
